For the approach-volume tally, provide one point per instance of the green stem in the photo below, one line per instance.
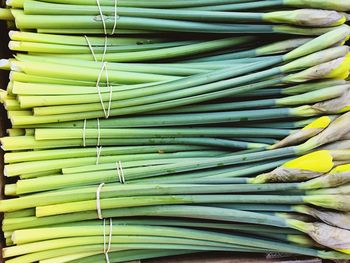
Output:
(240, 6)
(178, 211)
(125, 256)
(17, 120)
(116, 240)
(46, 48)
(195, 82)
(133, 160)
(89, 22)
(189, 233)
(29, 142)
(16, 157)
(70, 72)
(157, 4)
(81, 41)
(38, 8)
(137, 173)
(111, 203)
(193, 118)
(34, 257)
(113, 191)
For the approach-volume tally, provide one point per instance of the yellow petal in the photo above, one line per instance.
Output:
(341, 169)
(345, 109)
(340, 21)
(319, 161)
(342, 71)
(319, 123)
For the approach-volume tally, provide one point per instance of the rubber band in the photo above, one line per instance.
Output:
(120, 172)
(107, 248)
(98, 201)
(84, 133)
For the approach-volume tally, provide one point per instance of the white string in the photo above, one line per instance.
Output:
(103, 69)
(98, 201)
(90, 47)
(108, 110)
(102, 16)
(107, 248)
(116, 16)
(110, 98)
(104, 64)
(98, 154)
(98, 132)
(104, 236)
(107, 114)
(120, 172)
(104, 49)
(110, 235)
(98, 145)
(84, 133)
(105, 44)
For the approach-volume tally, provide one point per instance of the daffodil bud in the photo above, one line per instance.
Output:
(330, 236)
(339, 5)
(281, 46)
(334, 69)
(327, 235)
(334, 132)
(296, 216)
(337, 105)
(346, 15)
(342, 42)
(342, 70)
(306, 17)
(307, 132)
(300, 169)
(338, 145)
(340, 190)
(336, 202)
(338, 176)
(317, 96)
(303, 240)
(307, 87)
(322, 42)
(317, 58)
(337, 219)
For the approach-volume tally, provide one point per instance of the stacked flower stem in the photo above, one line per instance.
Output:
(142, 129)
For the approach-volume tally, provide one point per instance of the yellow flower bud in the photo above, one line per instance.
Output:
(342, 70)
(320, 123)
(319, 161)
